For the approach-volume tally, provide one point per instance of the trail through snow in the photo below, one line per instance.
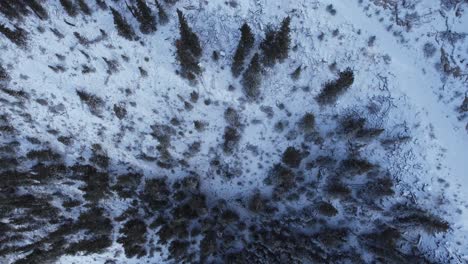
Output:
(419, 88)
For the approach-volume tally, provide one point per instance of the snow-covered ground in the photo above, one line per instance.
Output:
(397, 87)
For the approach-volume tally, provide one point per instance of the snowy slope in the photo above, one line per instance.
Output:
(396, 88)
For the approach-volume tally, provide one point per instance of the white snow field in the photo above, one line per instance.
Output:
(410, 81)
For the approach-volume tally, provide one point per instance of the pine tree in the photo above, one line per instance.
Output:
(123, 28)
(275, 46)
(17, 36)
(188, 49)
(268, 47)
(283, 40)
(251, 79)
(187, 36)
(84, 7)
(245, 45)
(333, 89)
(163, 18)
(145, 17)
(69, 7)
(38, 9)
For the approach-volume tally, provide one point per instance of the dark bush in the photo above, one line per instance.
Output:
(251, 79)
(93, 102)
(231, 139)
(292, 157)
(326, 209)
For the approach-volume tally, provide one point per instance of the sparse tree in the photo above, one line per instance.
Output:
(145, 17)
(123, 28)
(251, 80)
(163, 17)
(69, 7)
(246, 43)
(188, 49)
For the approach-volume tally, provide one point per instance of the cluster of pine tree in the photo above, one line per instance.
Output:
(275, 47)
(189, 50)
(143, 14)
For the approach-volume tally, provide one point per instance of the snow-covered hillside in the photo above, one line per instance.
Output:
(129, 147)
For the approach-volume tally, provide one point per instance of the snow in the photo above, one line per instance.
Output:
(414, 95)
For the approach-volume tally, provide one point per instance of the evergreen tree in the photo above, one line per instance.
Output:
(268, 47)
(37, 8)
(275, 46)
(251, 79)
(188, 49)
(123, 28)
(245, 45)
(69, 7)
(13, 9)
(283, 40)
(333, 89)
(84, 7)
(145, 17)
(17, 36)
(163, 18)
(3, 74)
